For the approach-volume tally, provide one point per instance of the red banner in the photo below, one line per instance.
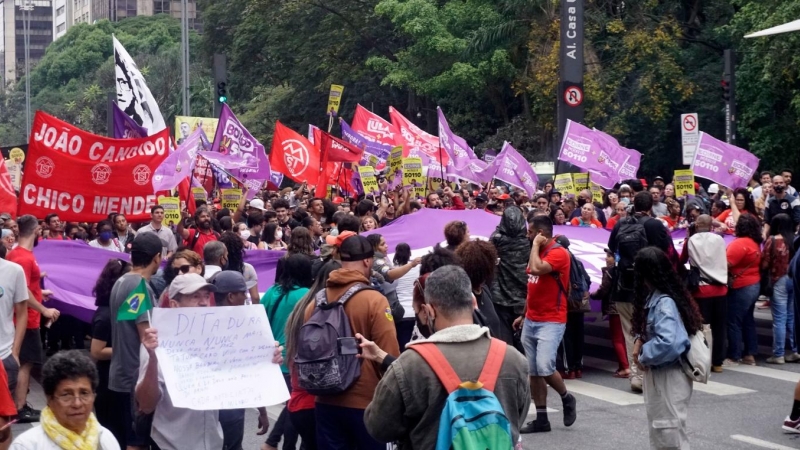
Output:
(416, 142)
(8, 198)
(335, 149)
(84, 177)
(373, 127)
(293, 156)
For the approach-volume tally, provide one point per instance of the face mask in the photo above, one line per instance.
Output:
(106, 235)
(625, 200)
(581, 201)
(245, 234)
(426, 330)
(779, 189)
(279, 235)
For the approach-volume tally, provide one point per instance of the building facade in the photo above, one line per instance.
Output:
(12, 30)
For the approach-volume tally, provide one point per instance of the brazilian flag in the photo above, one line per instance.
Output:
(136, 304)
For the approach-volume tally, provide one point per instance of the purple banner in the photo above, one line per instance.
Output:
(612, 156)
(723, 163)
(124, 126)
(514, 169)
(233, 139)
(180, 163)
(462, 162)
(374, 152)
(490, 155)
(582, 147)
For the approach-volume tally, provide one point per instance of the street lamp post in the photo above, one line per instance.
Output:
(27, 8)
(185, 56)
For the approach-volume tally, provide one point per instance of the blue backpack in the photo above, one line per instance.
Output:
(472, 417)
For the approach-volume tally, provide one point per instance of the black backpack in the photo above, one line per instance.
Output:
(579, 283)
(631, 237)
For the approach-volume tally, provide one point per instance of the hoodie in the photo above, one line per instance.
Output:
(370, 315)
(514, 249)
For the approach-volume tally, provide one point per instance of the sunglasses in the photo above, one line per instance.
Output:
(185, 268)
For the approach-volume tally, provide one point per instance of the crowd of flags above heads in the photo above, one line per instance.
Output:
(323, 160)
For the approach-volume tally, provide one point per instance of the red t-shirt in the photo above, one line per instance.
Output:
(202, 240)
(744, 261)
(300, 399)
(611, 222)
(546, 301)
(578, 222)
(7, 406)
(33, 277)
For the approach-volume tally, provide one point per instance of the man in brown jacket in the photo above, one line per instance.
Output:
(410, 398)
(340, 418)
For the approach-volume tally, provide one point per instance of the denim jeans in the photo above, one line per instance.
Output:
(782, 317)
(741, 323)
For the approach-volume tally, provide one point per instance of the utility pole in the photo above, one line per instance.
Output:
(187, 110)
(27, 9)
(729, 95)
(570, 84)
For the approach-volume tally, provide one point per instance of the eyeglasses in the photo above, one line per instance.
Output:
(68, 399)
(185, 268)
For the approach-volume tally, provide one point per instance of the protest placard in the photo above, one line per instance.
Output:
(368, 180)
(15, 172)
(597, 192)
(580, 181)
(172, 209)
(230, 198)
(218, 357)
(334, 99)
(198, 193)
(413, 177)
(185, 125)
(395, 163)
(563, 184)
(683, 181)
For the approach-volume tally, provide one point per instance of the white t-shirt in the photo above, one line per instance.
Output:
(113, 245)
(37, 439)
(13, 290)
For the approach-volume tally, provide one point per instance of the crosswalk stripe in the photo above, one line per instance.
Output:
(759, 442)
(603, 393)
(712, 387)
(784, 375)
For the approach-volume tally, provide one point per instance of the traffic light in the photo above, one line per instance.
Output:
(726, 89)
(221, 82)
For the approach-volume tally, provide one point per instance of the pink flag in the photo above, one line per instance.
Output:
(723, 163)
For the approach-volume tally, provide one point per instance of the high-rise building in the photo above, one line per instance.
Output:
(12, 30)
(116, 10)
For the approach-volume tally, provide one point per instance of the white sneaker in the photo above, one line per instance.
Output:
(730, 363)
(794, 357)
(636, 384)
(776, 360)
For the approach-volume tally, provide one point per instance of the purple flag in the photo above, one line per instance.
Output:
(723, 163)
(180, 163)
(514, 169)
(125, 127)
(376, 149)
(630, 168)
(276, 178)
(490, 155)
(233, 139)
(612, 156)
(455, 146)
(580, 147)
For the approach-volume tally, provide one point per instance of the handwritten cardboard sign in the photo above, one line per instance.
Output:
(218, 357)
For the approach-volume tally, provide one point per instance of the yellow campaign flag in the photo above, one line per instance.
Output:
(199, 193)
(597, 192)
(395, 163)
(334, 99)
(413, 177)
(563, 184)
(172, 209)
(683, 180)
(230, 198)
(185, 126)
(368, 181)
(581, 181)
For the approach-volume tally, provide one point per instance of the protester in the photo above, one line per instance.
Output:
(663, 319)
(569, 207)
(279, 301)
(620, 212)
(69, 380)
(55, 228)
(123, 232)
(11, 224)
(272, 238)
(235, 258)
(285, 220)
(545, 318)
(787, 177)
(405, 294)
(368, 223)
(196, 238)
(411, 416)
(105, 238)
(509, 288)
(659, 209)
(744, 259)
(169, 244)
(340, 422)
(146, 254)
(705, 252)
(30, 352)
(572, 356)
(385, 274)
(558, 217)
(456, 233)
(8, 239)
(673, 220)
(215, 257)
(587, 217)
(778, 252)
(253, 229)
(106, 406)
(781, 202)
(301, 244)
(609, 308)
(610, 200)
(16, 296)
(741, 203)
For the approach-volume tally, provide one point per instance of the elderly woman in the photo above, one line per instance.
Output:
(69, 380)
(7, 239)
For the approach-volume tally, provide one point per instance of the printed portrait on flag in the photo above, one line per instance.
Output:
(133, 95)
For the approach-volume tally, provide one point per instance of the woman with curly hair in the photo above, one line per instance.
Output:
(478, 258)
(741, 204)
(664, 316)
(106, 406)
(744, 260)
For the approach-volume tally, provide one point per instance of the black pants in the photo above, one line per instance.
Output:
(341, 428)
(283, 426)
(507, 317)
(573, 342)
(405, 328)
(232, 423)
(715, 313)
(305, 423)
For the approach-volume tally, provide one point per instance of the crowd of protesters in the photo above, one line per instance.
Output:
(448, 303)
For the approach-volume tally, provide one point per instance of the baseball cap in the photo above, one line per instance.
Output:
(562, 240)
(355, 248)
(257, 203)
(231, 281)
(482, 198)
(338, 201)
(608, 251)
(713, 189)
(189, 284)
(337, 240)
(503, 197)
(147, 243)
(658, 178)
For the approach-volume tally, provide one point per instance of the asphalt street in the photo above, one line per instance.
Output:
(742, 408)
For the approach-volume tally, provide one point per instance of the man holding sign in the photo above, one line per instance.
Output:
(175, 427)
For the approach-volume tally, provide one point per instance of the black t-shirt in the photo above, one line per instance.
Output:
(386, 221)
(489, 316)
(254, 239)
(101, 330)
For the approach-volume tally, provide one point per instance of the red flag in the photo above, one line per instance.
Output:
(8, 198)
(416, 142)
(335, 149)
(293, 156)
(185, 194)
(374, 127)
